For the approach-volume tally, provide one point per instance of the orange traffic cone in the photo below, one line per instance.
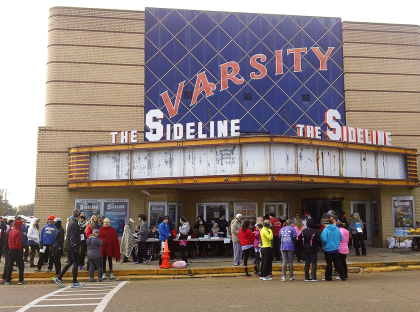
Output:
(165, 257)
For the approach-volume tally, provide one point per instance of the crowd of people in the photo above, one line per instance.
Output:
(298, 237)
(269, 239)
(18, 240)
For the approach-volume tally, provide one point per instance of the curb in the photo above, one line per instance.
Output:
(136, 274)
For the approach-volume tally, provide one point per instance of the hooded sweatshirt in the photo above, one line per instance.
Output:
(344, 247)
(183, 230)
(15, 236)
(331, 238)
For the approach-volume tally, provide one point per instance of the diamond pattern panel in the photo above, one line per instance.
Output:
(180, 44)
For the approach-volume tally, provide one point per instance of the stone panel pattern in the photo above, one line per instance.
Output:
(95, 85)
(382, 91)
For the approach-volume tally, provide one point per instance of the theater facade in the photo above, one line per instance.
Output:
(186, 113)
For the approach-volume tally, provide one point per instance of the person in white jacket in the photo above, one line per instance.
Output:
(33, 241)
(183, 236)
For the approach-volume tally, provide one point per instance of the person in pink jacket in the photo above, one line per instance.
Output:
(344, 247)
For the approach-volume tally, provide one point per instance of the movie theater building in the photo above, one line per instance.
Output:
(186, 113)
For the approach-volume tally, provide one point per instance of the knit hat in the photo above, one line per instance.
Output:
(57, 219)
(51, 217)
(95, 231)
(238, 215)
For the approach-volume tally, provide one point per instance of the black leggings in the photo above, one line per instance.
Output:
(246, 254)
(104, 264)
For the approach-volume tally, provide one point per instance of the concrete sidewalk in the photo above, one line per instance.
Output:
(377, 259)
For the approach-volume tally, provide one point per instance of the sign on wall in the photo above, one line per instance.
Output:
(215, 74)
(403, 213)
(114, 209)
(89, 205)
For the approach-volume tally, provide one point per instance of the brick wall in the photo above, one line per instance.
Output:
(95, 85)
(382, 91)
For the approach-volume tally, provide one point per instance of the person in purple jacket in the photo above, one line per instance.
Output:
(287, 247)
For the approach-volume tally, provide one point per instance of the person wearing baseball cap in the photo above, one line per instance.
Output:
(46, 239)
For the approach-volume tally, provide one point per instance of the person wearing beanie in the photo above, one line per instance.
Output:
(83, 247)
(331, 238)
(57, 247)
(235, 226)
(110, 247)
(46, 240)
(94, 256)
(72, 248)
(266, 255)
(310, 240)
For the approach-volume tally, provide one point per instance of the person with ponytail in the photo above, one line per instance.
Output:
(266, 256)
(246, 238)
(288, 235)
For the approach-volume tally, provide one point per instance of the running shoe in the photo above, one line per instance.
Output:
(111, 275)
(292, 279)
(99, 280)
(58, 282)
(92, 280)
(247, 275)
(266, 278)
(188, 265)
(256, 273)
(308, 280)
(283, 279)
(21, 283)
(148, 260)
(80, 267)
(77, 285)
(104, 276)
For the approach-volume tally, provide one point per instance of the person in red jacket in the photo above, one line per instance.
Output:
(110, 247)
(246, 237)
(15, 253)
(277, 225)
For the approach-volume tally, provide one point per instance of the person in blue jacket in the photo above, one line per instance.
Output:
(331, 238)
(46, 240)
(164, 234)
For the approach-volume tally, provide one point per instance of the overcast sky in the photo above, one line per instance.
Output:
(24, 26)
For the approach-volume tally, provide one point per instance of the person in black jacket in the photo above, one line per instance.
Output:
(57, 247)
(3, 229)
(310, 240)
(83, 245)
(72, 248)
(6, 250)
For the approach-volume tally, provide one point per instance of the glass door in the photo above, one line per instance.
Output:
(279, 209)
(247, 210)
(362, 207)
(157, 210)
(212, 212)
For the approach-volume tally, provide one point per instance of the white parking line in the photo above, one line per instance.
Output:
(72, 294)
